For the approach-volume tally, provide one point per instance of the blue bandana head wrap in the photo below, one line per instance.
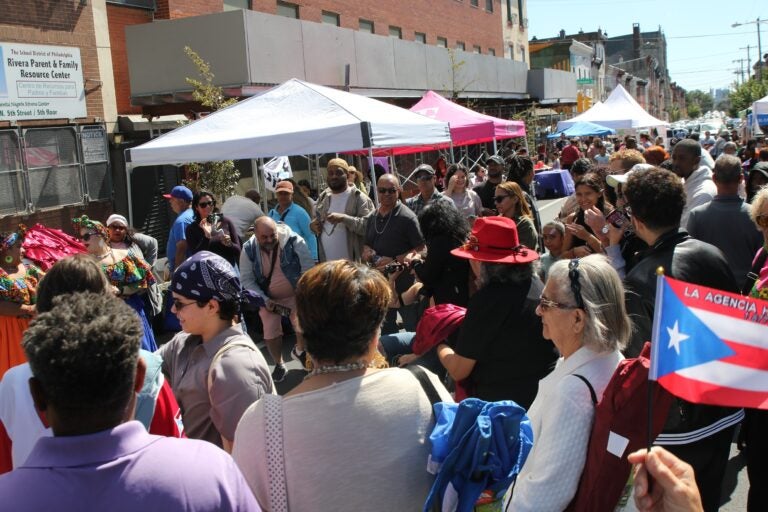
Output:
(205, 276)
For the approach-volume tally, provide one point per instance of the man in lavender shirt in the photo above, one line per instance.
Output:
(86, 373)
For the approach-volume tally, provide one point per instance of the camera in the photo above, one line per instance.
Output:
(618, 218)
(393, 267)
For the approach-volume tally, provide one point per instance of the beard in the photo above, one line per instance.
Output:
(269, 247)
(338, 185)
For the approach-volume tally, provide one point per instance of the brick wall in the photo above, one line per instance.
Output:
(56, 23)
(455, 20)
(172, 9)
(119, 17)
(59, 218)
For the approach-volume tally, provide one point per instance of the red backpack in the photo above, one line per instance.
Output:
(620, 427)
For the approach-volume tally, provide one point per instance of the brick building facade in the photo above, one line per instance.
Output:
(47, 173)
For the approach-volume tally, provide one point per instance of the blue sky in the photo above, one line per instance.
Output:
(701, 44)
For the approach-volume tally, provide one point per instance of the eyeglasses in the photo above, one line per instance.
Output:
(573, 275)
(117, 227)
(762, 220)
(546, 304)
(387, 190)
(498, 199)
(181, 305)
(206, 204)
(88, 236)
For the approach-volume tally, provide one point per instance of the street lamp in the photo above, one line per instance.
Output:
(757, 22)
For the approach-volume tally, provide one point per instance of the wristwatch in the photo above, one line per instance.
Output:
(605, 229)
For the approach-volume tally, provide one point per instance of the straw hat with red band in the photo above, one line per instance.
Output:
(495, 240)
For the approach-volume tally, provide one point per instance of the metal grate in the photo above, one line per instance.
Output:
(11, 177)
(54, 170)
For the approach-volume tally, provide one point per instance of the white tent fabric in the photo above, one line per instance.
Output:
(618, 111)
(760, 111)
(295, 118)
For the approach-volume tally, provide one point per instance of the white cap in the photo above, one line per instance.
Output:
(117, 218)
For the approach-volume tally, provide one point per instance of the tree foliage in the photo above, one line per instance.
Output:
(747, 93)
(698, 102)
(220, 178)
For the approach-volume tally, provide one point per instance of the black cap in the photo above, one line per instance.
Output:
(424, 168)
(495, 159)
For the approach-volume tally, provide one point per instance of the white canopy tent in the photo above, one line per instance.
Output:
(759, 114)
(618, 111)
(295, 118)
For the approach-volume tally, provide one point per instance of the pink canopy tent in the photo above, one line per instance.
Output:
(466, 125)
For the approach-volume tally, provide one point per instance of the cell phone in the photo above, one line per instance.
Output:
(281, 310)
(618, 218)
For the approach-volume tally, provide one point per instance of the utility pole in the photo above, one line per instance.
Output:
(757, 23)
(740, 71)
(749, 60)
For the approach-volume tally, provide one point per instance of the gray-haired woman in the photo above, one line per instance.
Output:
(582, 312)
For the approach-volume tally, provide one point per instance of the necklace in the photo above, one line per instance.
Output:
(375, 224)
(338, 368)
(104, 255)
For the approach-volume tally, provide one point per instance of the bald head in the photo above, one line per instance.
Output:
(265, 230)
(389, 180)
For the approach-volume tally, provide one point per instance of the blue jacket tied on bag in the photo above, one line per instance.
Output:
(478, 446)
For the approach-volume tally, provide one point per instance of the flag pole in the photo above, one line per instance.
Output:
(654, 344)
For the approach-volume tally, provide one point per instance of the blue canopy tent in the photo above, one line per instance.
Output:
(584, 129)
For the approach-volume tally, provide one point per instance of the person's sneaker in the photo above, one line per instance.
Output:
(278, 374)
(302, 358)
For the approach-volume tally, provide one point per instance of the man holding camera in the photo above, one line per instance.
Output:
(271, 264)
(391, 232)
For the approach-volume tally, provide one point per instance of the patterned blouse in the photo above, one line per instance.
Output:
(130, 271)
(21, 290)
(760, 288)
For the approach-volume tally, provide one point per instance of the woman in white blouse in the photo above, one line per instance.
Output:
(458, 190)
(582, 312)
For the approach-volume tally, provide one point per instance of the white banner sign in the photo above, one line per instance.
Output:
(40, 82)
(279, 168)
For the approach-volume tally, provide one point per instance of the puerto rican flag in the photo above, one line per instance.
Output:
(710, 346)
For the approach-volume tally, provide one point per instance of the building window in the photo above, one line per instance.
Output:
(395, 32)
(366, 26)
(233, 5)
(331, 18)
(512, 51)
(491, 51)
(441, 41)
(287, 9)
(460, 46)
(420, 37)
(474, 3)
(489, 5)
(477, 49)
(522, 53)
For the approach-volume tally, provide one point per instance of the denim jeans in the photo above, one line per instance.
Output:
(401, 342)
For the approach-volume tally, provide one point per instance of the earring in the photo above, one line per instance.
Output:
(9, 259)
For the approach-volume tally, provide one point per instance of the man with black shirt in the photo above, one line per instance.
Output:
(487, 190)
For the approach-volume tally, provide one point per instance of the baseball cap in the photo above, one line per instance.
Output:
(495, 159)
(424, 168)
(180, 192)
(284, 186)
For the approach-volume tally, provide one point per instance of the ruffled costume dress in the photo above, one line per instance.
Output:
(45, 246)
(21, 291)
(133, 272)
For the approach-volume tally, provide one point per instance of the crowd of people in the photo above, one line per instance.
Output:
(539, 315)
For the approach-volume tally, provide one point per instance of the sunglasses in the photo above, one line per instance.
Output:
(546, 304)
(206, 204)
(117, 227)
(573, 275)
(387, 190)
(762, 220)
(498, 199)
(424, 177)
(181, 305)
(86, 237)
(337, 172)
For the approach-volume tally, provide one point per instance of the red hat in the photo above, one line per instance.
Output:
(284, 186)
(495, 240)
